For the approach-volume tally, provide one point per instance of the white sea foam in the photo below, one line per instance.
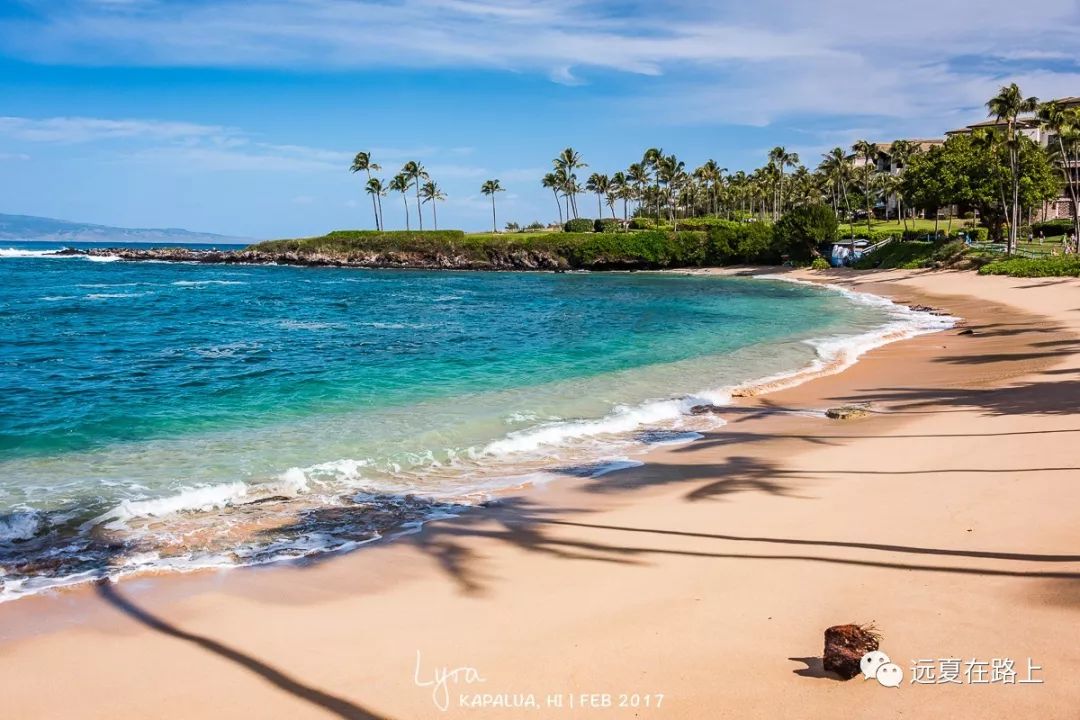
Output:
(100, 258)
(201, 499)
(20, 525)
(200, 283)
(112, 296)
(624, 419)
(839, 352)
(24, 253)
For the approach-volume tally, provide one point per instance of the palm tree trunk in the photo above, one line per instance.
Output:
(374, 209)
(405, 198)
(419, 210)
(494, 225)
(599, 207)
(558, 204)
(434, 214)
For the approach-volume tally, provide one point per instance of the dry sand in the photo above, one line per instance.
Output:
(949, 517)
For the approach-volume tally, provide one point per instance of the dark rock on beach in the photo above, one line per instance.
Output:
(844, 647)
(847, 412)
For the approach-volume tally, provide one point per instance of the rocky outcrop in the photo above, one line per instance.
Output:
(495, 259)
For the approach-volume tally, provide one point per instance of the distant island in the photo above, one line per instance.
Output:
(32, 228)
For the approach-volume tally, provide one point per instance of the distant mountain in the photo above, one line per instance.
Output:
(28, 227)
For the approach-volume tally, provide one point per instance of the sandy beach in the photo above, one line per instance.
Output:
(695, 586)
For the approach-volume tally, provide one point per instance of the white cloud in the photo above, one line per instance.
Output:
(724, 61)
(85, 129)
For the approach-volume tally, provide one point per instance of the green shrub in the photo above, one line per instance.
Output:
(820, 263)
(701, 223)
(1050, 228)
(643, 223)
(576, 225)
(978, 234)
(607, 225)
(802, 230)
(1056, 266)
(731, 242)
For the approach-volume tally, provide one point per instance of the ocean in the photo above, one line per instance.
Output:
(177, 416)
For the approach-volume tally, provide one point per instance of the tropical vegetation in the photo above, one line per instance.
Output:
(991, 181)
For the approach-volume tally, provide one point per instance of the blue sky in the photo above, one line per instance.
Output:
(241, 117)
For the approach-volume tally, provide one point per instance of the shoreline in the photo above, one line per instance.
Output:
(833, 354)
(621, 579)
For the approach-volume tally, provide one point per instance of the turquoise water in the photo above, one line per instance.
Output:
(169, 415)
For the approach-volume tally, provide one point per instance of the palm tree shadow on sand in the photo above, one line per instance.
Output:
(331, 703)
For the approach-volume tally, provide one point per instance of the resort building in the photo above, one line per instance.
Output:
(1029, 126)
(887, 163)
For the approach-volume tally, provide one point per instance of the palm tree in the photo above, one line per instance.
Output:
(620, 190)
(868, 151)
(1007, 106)
(401, 183)
(712, 175)
(362, 163)
(490, 187)
(601, 185)
(781, 158)
(671, 172)
(432, 193)
(376, 190)
(902, 151)
(651, 160)
(1064, 125)
(638, 175)
(568, 161)
(415, 172)
(990, 142)
(552, 181)
(837, 169)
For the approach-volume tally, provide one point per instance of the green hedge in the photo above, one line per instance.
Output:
(1050, 228)
(357, 240)
(607, 225)
(1059, 266)
(643, 223)
(579, 225)
(701, 223)
(585, 250)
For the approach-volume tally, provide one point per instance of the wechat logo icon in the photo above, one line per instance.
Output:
(877, 665)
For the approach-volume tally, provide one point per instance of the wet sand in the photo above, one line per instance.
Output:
(948, 517)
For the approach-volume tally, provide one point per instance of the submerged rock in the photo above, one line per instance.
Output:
(706, 410)
(844, 647)
(847, 412)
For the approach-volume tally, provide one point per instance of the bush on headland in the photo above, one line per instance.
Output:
(724, 243)
(577, 225)
(1057, 266)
